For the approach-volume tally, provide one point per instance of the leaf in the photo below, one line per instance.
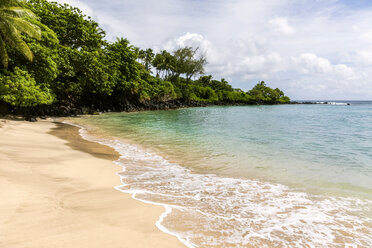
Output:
(3, 53)
(15, 21)
(26, 27)
(17, 12)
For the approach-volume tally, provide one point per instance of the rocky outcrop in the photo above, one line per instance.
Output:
(64, 111)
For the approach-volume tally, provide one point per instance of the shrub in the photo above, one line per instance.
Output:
(20, 89)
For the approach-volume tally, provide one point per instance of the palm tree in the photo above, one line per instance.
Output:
(14, 21)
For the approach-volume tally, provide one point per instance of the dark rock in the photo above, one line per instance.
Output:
(4, 108)
(31, 119)
(84, 110)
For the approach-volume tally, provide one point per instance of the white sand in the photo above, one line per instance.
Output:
(54, 196)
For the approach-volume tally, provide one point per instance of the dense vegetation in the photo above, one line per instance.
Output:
(52, 54)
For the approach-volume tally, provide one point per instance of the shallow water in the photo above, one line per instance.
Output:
(289, 175)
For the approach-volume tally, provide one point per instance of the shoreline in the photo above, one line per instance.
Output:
(64, 111)
(83, 135)
(61, 192)
(153, 180)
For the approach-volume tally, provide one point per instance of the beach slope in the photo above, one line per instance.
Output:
(57, 190)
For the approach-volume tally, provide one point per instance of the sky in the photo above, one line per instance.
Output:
(311, 49)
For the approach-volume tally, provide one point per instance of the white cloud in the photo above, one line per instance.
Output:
(259, 63)
(364, 57)
(309, 63)
(79, 4)
(263, 65)
(299, 46)
(194, 40)
(189, 39)
(362, 54)
(366, 36)
(280, 25)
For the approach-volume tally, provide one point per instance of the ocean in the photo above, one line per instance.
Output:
(249, 176)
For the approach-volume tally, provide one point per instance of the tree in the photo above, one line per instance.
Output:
(13, 23)
(265, 94)
(140, 54)
(122, 57)
(164, 63)
(73, 66)
(186, 62)
(183, 61)
(149, 57)
(222, 85)
(158, 62)
(73, 28)
(145, 57)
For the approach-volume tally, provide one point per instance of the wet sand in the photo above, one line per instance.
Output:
(57, 190)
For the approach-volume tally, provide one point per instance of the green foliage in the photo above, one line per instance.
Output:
(164, 64)
(146, 58)
(72, 27)
(44, 65)
(187, 91)
(183, 61)
(20, 89)
(161, 90)
(14, 22)
(83, 76)
(122, 58)
(71, 51)
(262, 93)
(207, 81)
(72, 65)
(234, 96)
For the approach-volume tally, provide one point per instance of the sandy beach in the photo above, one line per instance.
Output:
(57, 190)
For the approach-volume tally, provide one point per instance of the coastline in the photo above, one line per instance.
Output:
(60, 192)
(242, 211)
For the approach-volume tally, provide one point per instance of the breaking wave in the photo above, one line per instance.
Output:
(206, 210)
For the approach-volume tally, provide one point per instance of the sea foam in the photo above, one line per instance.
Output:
(206, 210)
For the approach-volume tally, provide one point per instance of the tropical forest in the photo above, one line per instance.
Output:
(56, 61)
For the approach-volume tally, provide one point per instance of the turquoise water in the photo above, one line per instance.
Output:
(309, 167)
(306, 145)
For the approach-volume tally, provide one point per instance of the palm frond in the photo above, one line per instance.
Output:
(25, 50)
(3, 53)
(15, 21)
(9, 34)
(26, 27)
(17, 12)
(14, 39)
(10, 3)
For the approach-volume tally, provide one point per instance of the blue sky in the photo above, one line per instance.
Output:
(357, 4)
(312, 49)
